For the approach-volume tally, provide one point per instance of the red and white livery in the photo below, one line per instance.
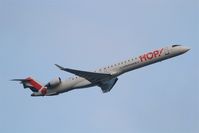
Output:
(105, 77)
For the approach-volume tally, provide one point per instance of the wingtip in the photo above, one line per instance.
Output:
(60, 67)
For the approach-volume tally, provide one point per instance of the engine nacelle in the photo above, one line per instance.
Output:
(53, 83)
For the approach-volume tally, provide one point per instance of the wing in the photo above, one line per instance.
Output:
(90, 76)
(106, 86)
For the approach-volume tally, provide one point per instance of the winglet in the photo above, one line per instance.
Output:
(60, 67)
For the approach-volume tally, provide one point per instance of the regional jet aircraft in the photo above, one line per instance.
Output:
(105, 77)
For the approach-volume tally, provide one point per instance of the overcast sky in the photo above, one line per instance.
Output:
(88, 34)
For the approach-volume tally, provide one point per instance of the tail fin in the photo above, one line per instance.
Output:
(33, 85)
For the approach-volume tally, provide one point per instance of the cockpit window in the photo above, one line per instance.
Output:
(175, 45)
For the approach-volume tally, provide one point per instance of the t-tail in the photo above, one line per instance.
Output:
(37, 88)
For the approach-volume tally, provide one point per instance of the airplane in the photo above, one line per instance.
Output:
(105, 77)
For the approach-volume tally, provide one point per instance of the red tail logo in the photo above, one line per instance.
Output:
(37, 86)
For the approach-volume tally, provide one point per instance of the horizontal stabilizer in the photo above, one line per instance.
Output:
(22, 80)
(33, 85)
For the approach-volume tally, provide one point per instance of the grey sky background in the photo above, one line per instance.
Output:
(87, 34)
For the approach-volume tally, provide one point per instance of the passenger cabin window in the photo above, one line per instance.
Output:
(175, 45)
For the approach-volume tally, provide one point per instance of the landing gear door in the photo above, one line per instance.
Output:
(166, 51)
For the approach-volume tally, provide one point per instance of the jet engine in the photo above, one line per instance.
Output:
(53, 83)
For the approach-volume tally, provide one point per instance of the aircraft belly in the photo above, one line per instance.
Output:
(68, 85)
(83, 84)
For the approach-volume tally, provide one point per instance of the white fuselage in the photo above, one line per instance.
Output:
(122, 67)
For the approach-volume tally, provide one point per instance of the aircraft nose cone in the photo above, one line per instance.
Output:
(185, 49)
